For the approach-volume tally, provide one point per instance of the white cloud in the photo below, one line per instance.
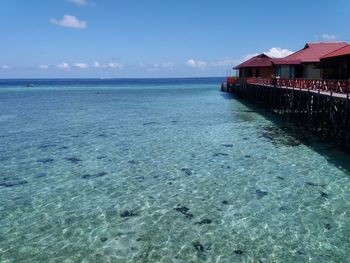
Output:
(97, 65)
(225, 62)
(229, 62)
(115, 65)
(43, 66)
(167, 65)
(196, 63)
(63, 66)
(329, 37)
(157, 66)
(81, 65)
(277, 52)
(78, 2)
(69, 21)
(5, 67)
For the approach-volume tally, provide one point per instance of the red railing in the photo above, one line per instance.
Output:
(231, 80)
(336, 86)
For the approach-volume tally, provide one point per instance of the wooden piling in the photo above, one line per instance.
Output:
(324, 114)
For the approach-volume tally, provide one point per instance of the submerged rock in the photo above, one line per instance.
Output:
(46, 146)
(103, 239)
(41, 175)
(324, 195)
(185, 211)
(314, 184)
(128, 213)
(260, 193)
(238, 252)
(74, 160)
(204, 222)
(45, 160)
(187, 171)
(11, 183)
(182, 209)
(89, 176)
(220, 154)
(150, 123)
(198, 246)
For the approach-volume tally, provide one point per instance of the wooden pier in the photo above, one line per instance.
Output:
(322, 107)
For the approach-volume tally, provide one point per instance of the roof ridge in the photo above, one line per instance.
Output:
(333, 42)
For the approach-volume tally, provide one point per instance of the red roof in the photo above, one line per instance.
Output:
(339, 52)
(283, 61)
(312, 52)
(261, 60)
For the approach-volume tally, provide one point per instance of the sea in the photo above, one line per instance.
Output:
(163, 170)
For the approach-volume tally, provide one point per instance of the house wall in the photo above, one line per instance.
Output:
(310, 72)
(266, 72)
(336, 68)
(285, 72)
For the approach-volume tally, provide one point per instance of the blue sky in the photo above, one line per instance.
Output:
(156, 38)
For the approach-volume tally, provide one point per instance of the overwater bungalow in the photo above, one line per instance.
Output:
(305, 63)
(336, 65)
(323, 66)
(259, 66)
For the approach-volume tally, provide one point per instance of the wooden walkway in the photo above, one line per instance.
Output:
(324, 113)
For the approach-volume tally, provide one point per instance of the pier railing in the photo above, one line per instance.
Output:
(328, 86)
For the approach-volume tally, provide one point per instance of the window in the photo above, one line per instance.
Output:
(278, 71)
(292, 72)
(257, 72)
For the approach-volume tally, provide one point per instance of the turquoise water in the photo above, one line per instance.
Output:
(168, 171)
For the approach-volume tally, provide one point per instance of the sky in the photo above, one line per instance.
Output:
(157, 38)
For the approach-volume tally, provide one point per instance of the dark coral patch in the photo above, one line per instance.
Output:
(185, 211)
(260, 193)
(74, 160)
(11, 183)
(89, 176)
(198, 247)
(128, 213)
(324, 195)
(45, 160)
(314, 184)
(220, 154)
(204, 222)
(187, 171)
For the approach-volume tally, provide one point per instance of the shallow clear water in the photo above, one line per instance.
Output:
(169, 171)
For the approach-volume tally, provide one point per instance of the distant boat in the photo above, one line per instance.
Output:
(30, 85)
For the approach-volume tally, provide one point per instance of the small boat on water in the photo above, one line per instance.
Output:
(30, 85)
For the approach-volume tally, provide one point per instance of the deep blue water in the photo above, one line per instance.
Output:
(168, 170)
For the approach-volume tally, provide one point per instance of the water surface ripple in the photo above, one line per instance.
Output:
(168, 172)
